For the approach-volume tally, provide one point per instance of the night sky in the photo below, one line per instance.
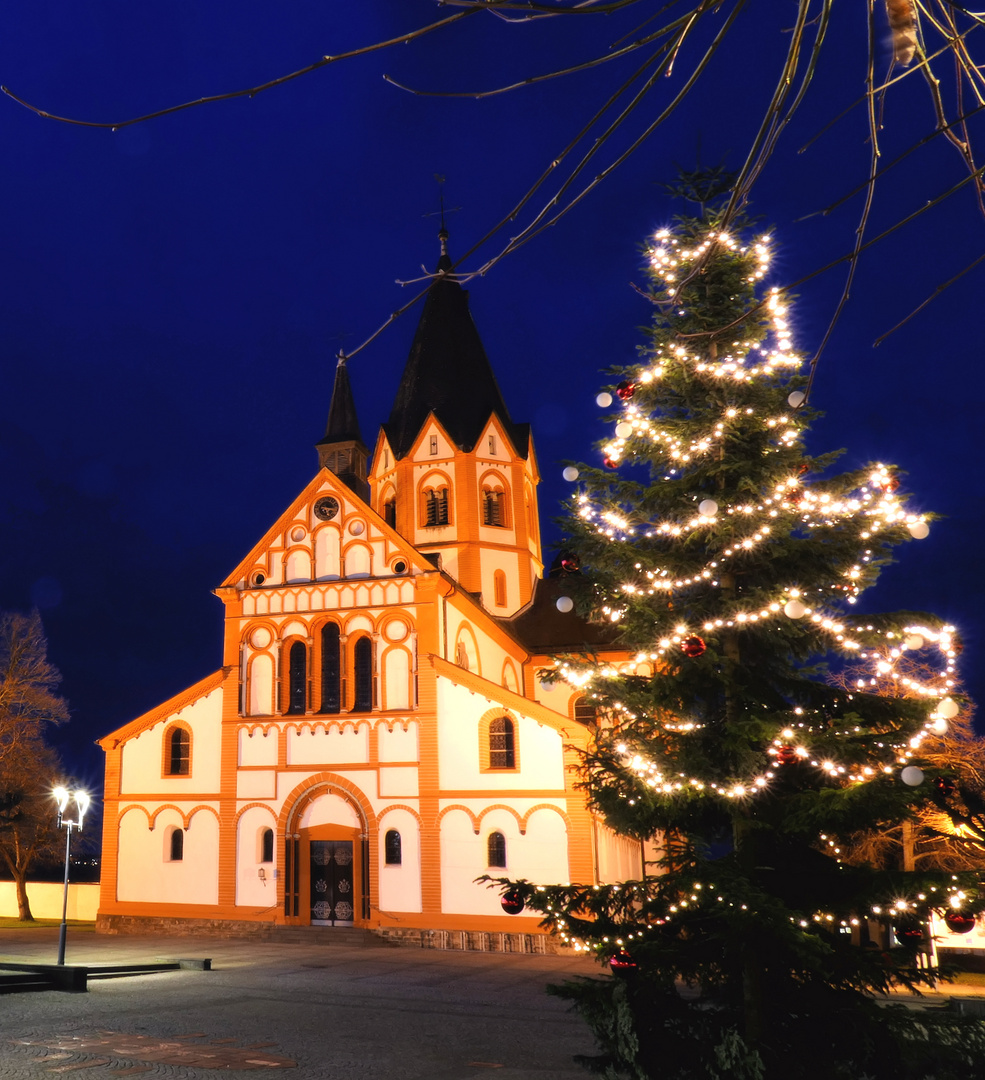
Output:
(173, 293)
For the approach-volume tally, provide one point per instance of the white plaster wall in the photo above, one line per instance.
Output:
(398, 782)
(464, 858)
(396, 678)
(261, 678)
(400, 886)
(541, 755)
(397, 743)
(257, 747)
(251, 889)
(143, 755)
(256, 784)
(330, 810)
(619, 857)
(491, 560)
(298, 565)
(327, 544)
(146, 875)
(318, 746)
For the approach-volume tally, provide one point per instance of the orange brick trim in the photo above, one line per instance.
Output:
(266, 728)
(544, 806)
(395, 722)
(250, 806)
(320, 784)
(313, 725)
(521, 822)
(465, 810)
(185, 817)
(143, 809)
(168, 708)
(399, 806)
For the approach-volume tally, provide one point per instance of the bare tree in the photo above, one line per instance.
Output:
(29, 768)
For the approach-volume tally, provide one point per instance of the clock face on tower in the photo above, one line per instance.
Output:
(326, 508)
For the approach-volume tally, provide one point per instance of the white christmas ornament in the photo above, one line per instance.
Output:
(919, 530)
(912, 776)
(948, 708)
(796, 399)
(570, 474)
(604, 400)
(794, 609)
(913, 641)
(707, 507)
(564, 604)
(939, 725)
(624, 429)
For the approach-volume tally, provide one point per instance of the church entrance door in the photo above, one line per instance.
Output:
(332, 883)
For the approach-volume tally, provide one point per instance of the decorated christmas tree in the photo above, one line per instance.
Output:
(729, 561)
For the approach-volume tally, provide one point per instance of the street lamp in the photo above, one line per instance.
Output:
(81, 799)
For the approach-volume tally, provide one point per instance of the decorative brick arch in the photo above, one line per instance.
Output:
(143, 809)
(400, 806)
(465, 810)
(185, 817)
(251, 729)
(253, 806)
(326, 783)
(521, 822)
(544, 806)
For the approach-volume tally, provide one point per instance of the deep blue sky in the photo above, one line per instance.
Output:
(173, 293)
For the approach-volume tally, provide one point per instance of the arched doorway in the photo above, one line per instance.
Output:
(326, 860)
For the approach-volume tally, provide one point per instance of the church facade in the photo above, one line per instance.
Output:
(377, 737)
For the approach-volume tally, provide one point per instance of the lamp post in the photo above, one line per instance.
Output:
(63, 797)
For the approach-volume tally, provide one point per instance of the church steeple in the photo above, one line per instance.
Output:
(448, 373)
(452, 473)
(341, 450)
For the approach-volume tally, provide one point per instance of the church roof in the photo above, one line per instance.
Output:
(448, 374)
(541, 628)
(343, 424)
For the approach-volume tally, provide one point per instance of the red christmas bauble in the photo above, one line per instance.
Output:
(909, 934)
(622, 961)
(609, 463)
(945, 785)
(625, 390)
(786, 755)
(958, 922)
(569, 562)
(693, 646)
(803, 468)
(512, 902)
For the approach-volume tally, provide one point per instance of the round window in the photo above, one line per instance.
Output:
(400, 567)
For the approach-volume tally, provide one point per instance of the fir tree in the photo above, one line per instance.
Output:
(728, 562)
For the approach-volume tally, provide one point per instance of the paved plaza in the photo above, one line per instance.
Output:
(328, 1012)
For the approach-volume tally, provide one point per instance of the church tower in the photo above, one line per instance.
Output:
(451, 471)
(341, 449)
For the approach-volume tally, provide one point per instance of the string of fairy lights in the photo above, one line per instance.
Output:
(869, 513)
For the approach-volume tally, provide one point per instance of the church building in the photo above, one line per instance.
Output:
(377, 736)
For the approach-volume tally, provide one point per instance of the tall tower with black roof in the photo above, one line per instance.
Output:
(341, 449)
(451, 471)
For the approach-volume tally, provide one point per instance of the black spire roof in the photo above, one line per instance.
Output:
(448, 373)
(343, 424)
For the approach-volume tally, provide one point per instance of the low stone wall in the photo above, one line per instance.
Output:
(461, 940)
(45, 898)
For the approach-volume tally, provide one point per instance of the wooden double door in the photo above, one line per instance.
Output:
(332, 873)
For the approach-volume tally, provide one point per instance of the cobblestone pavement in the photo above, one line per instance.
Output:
(323, 1012)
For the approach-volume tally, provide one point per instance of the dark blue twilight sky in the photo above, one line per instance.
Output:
(173, 293)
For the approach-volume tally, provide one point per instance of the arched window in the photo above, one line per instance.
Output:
(179, 752)
(177, 845)
(331, 669)
(390, 512)
(502, 745)
(391, 848)
(585, 710)
(496, 848)
(363, 675)
(493, 507)
(267, 845)
(436, 506)
(297, 677)
(499, 588)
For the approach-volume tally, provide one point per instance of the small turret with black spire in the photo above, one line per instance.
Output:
(341, 450)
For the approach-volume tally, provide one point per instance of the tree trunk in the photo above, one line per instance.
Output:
(23, 904)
